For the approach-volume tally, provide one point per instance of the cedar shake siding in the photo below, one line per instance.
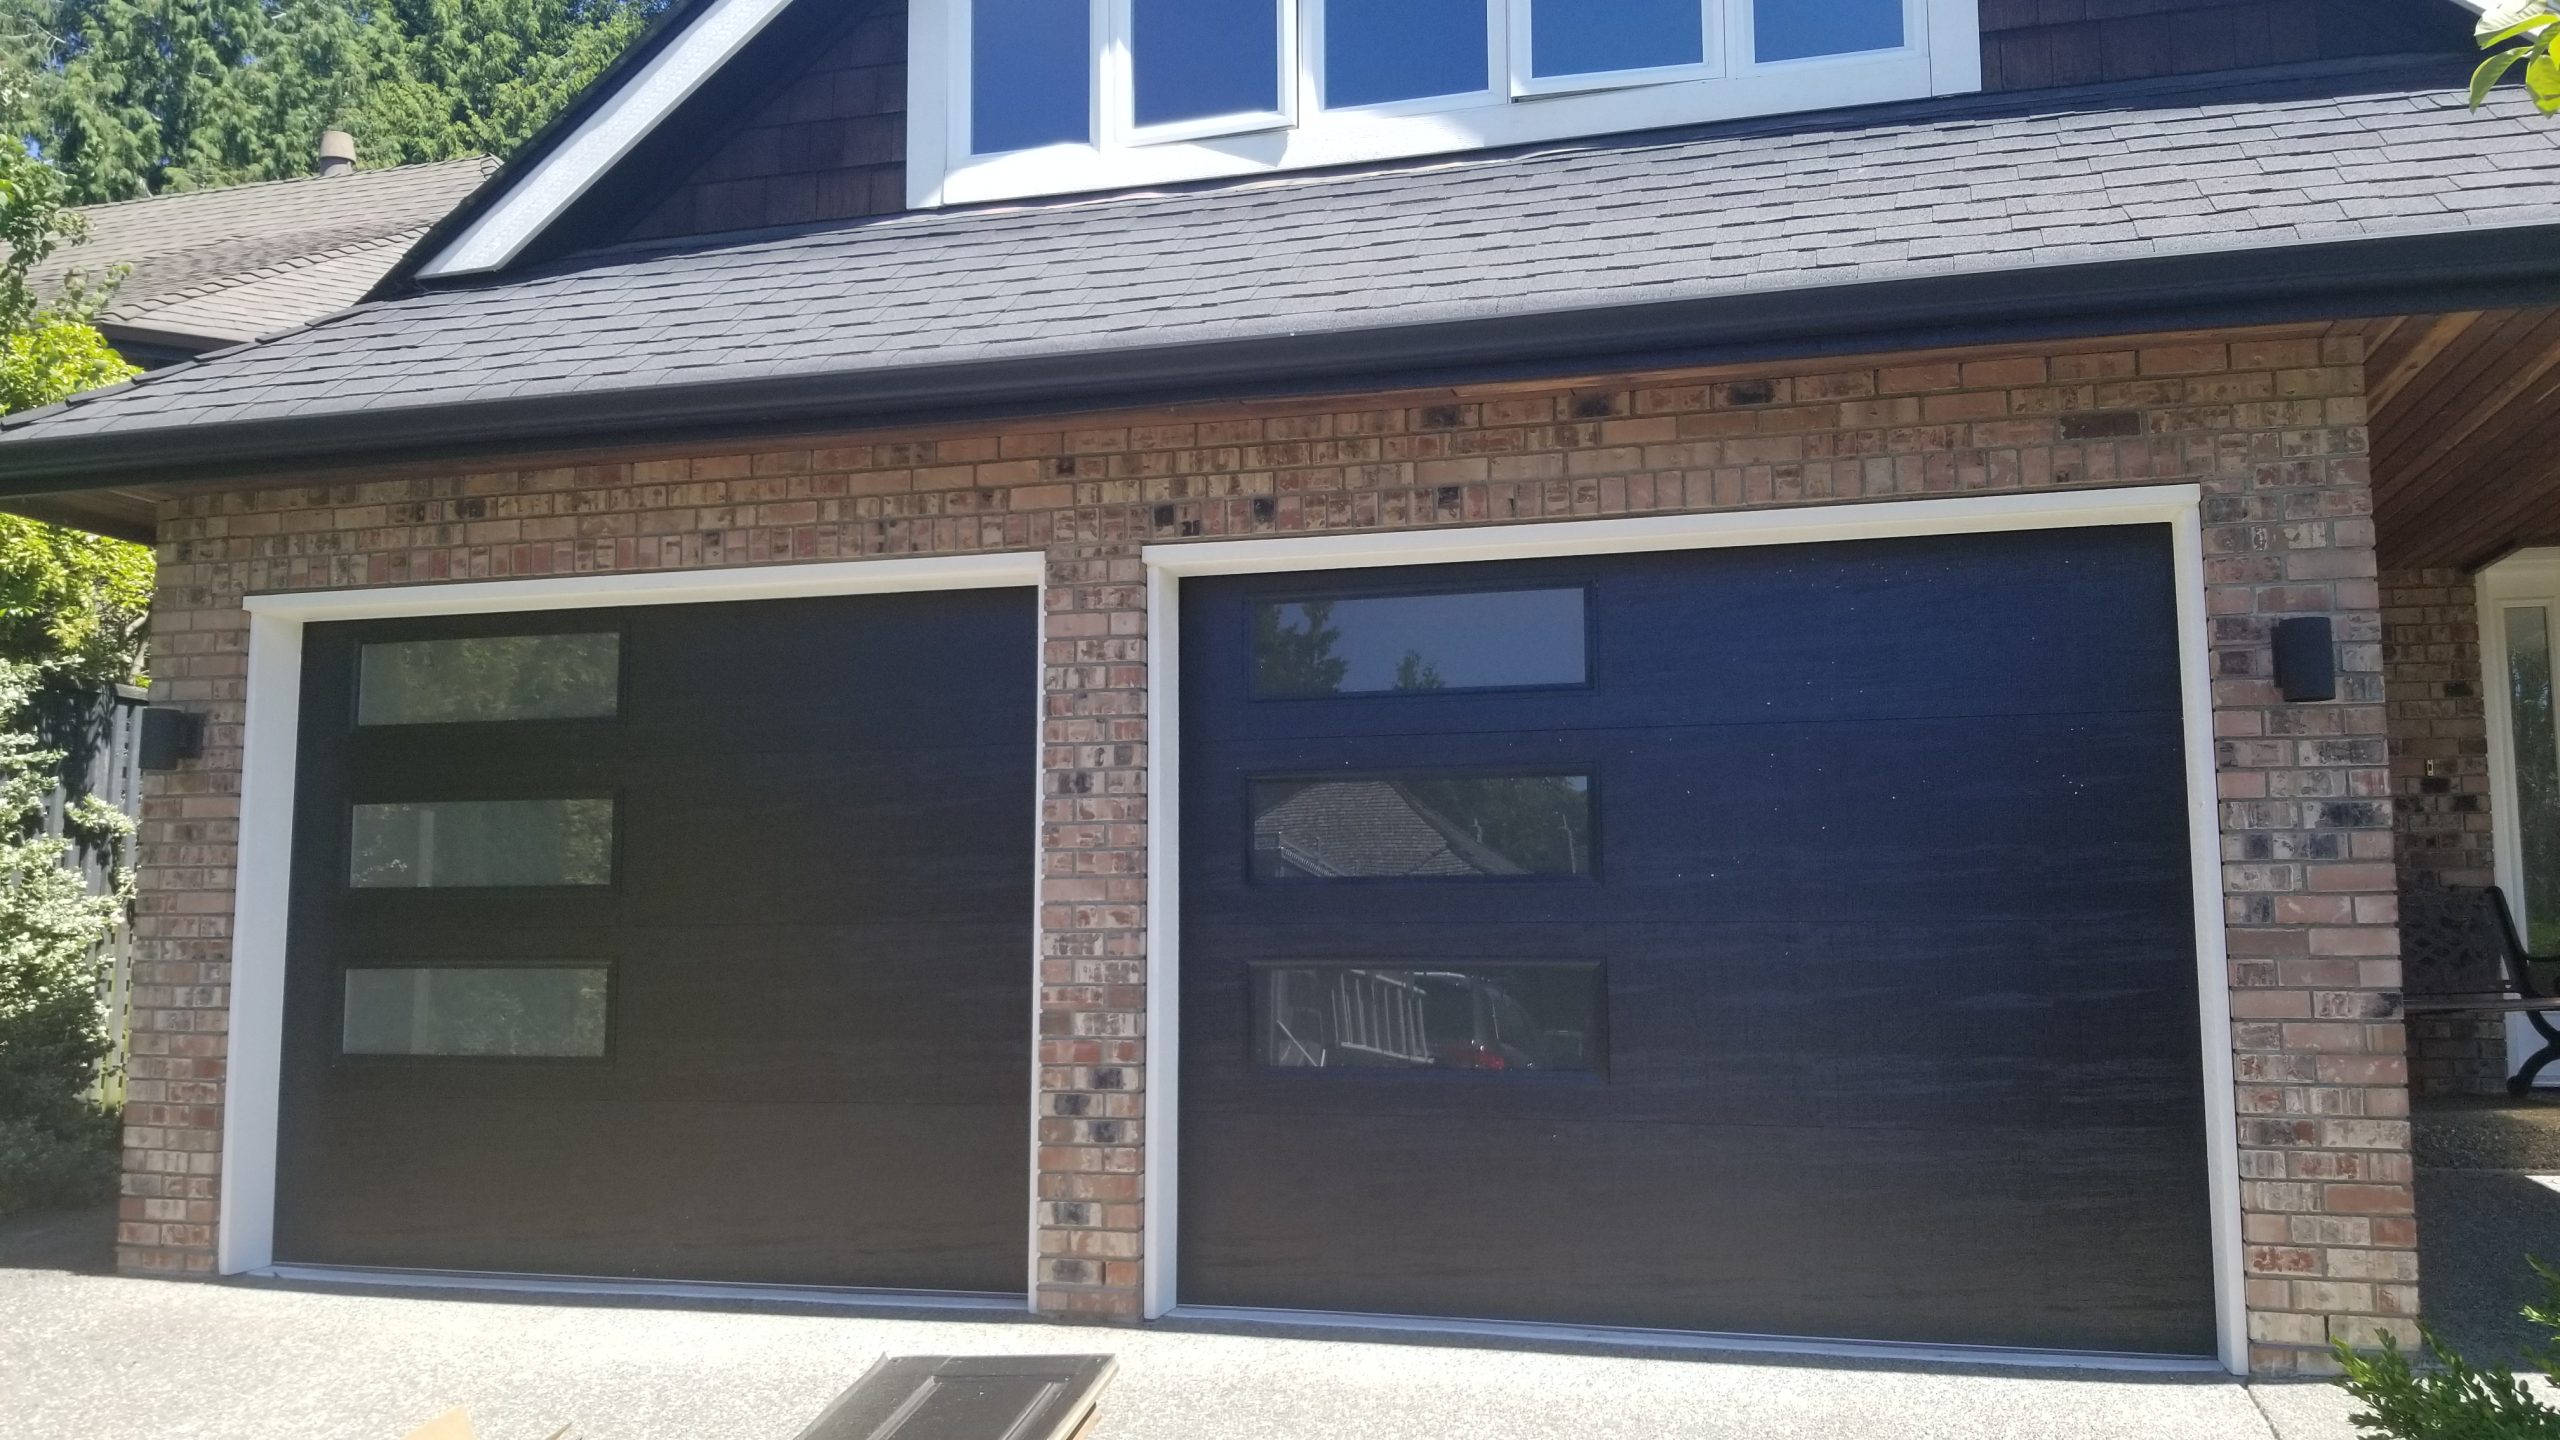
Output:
(2271, 425)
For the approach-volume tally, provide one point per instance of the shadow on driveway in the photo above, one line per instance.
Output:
(82, 1242)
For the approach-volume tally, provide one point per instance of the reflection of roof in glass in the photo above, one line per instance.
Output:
(1351, 828)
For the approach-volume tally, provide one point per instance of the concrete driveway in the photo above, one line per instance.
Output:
(102, 1358)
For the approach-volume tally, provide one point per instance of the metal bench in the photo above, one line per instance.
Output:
(2461, 955)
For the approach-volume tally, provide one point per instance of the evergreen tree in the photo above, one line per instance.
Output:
(134, 97)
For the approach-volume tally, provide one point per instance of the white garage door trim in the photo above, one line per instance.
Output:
(2177, 506)
(244, 1236)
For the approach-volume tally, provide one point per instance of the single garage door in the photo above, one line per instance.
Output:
(1791, 941)
(689, 941)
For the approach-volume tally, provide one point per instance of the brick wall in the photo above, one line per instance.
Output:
(2440, 785)
(2272, 426)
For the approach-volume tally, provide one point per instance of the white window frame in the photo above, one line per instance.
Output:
(1714, 25)
(2528, 578)
(1940, 55)
(1119, 93)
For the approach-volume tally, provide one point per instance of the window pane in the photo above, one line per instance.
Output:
(1365, 645)
(1195, 59)
(1420, 827)
(2537, 771)
(1030, 74)
(493, 677)
(553, 1010)
(1794, 29)
(1377, 51)
(1515, 1017)
(448, 844)
(1592, 37)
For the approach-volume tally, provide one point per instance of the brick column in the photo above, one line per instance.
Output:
(2310, 894)
(184, 857)
(1093, 919)
(2441, 797)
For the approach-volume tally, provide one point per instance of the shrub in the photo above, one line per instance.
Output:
(57, 1144)
(2453, 1399)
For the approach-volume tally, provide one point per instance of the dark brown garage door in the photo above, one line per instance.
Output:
(690, 941)
(1790, 941)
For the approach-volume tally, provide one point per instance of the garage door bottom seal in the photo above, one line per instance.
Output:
(1629, 1338)
(839, 1297)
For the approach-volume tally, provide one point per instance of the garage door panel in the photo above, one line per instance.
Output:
(717, 839)
(1917, 1235)
(781, 682)
(1888, 894)
(784, 1039)
(1760, 822)
(1783, 1023)
(679, 1190)
(1907, 629)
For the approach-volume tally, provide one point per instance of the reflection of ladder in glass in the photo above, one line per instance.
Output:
(1380, 1015)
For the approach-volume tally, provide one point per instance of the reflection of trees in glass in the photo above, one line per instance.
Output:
(561, 1012)
(470, 1010)
(1540, 823)
(1415, 673)
(1293, 650)
(483, 842)
(493, 677)
(2537, 771)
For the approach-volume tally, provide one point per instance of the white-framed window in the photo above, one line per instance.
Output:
(1033, 97)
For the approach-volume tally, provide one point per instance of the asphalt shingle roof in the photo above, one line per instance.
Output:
(1987, 185)
(237, 263)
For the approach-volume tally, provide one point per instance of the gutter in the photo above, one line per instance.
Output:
(2468, 270)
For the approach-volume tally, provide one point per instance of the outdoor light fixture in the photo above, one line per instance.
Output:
(2306, 663)
(169, 735)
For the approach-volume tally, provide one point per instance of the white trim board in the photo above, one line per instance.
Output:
(2527, 577)
(244, 1236)
(2177, 506)
(534, 200)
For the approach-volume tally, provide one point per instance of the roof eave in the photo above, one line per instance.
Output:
(2203, 289)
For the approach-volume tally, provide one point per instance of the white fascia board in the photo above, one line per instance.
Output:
(533, 201)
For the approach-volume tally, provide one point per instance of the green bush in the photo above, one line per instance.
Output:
(57, 1144)
(2452, 1399)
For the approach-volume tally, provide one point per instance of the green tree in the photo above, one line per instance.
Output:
(71, 610)
(135, 97)
(48, 348)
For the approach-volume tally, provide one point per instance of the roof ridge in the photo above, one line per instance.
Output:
(485, 162)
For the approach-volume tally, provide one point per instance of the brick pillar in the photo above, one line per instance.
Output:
(1093, 918)
(2441, 796)
(2310, 893)
(184, 854)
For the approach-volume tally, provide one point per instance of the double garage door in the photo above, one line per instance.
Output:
(1791, 941)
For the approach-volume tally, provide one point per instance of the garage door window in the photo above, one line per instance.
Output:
(527, 1011)
(490, 677)
(1402, 644)
(1422, 826)
(1512, 1018)
(457, 844)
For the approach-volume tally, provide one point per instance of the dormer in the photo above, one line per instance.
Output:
(1013, 98)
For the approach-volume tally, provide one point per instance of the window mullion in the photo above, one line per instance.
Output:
(1114, 79)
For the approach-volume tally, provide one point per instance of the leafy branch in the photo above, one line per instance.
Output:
(2529, 31)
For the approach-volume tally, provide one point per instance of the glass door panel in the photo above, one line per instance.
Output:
(2537, 760)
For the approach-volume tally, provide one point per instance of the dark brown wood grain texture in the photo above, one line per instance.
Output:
(1894, 903)
(819, 933)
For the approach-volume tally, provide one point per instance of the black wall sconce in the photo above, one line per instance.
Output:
(168, 736)
(2306, 660)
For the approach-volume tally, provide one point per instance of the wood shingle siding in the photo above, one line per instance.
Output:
(2035, 44)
